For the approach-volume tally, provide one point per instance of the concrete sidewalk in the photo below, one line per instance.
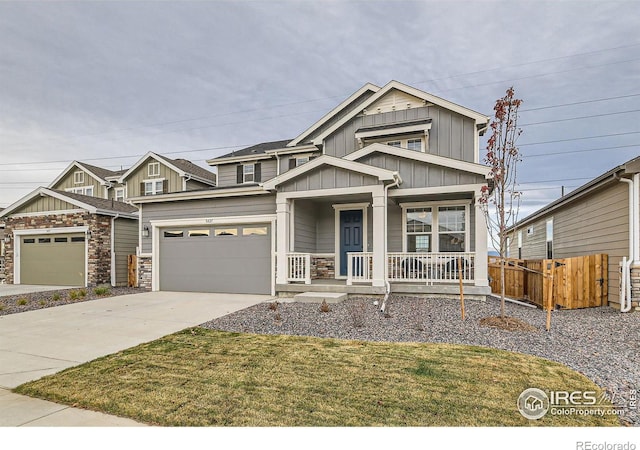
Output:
(18, 289)
(37, 343)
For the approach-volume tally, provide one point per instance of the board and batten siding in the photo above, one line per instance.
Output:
(45, 204)
(141, 174)
(228, 173)
(452, 135)
(597, 223)
(417, 174)
(328, 177)
(125, 243)
(67, 183)
(214, 207)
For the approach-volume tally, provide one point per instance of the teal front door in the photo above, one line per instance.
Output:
(350, 236)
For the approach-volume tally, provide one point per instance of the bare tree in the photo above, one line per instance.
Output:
(500, 202)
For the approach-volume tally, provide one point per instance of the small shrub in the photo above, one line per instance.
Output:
(42, 303)
(82, 293)
(74, 295)
(273, 306)
(23, 301)
(101, 290)
(1, 307)
(324, 307)
(357, 311)
(278, 317)
(56, 297)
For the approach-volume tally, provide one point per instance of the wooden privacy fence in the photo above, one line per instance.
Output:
(579, 282)
(132, 265)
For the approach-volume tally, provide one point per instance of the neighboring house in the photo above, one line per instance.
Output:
(80, 230)
(380, 192)
(2, 275)
(601, 216)
(68, 239)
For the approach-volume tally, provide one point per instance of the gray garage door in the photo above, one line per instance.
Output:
(230, 258)
(54, 259)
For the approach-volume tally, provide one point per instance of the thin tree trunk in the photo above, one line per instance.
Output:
(502, 289)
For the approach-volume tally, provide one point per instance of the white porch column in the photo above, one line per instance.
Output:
(379, 237)
(481, 264)
(282, 238)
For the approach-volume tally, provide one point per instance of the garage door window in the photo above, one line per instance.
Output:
(77, 239)
(44, 240)
(198, 233)
(226, 232)
(29, 241)
(60, 239)
(173, 233)
(254, 231)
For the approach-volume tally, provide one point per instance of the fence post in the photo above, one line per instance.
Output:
(549, 301)
(307, 268)
(461, 288)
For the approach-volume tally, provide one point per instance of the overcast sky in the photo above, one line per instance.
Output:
(106, 82)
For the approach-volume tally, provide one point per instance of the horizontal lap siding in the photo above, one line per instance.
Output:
(220, 207)
(325, 228)
(304, 227)
(228, 173)
(125, 243)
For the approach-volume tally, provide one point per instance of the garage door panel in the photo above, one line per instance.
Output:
(54, 259)
(233, 264)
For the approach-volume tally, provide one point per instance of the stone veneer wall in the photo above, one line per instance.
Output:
(99, 245)
(635, 286)
(144, 272)
(323, 267)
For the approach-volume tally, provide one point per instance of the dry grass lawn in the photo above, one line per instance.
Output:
(200, 377)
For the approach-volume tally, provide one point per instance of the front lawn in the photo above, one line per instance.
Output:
(201, 377)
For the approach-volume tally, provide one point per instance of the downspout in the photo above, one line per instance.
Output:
(113, 249)
(277, 163)
(625, 279)
(397, 181)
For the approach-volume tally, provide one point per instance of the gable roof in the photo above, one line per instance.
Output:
(93, 205)
(98, 173)
(428, 158)
(255, 149)
(630, 167)
(182, 166)
(480, 119)
(381, 174)
(368, 87)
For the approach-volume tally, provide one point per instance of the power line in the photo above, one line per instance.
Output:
(581, 151)
(580, 138)
(555, 181)
(580, 117)
(579, 103)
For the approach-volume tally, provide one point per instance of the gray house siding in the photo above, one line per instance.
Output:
(328, 177)
(193, 185)
(304, 227)
(125, 243)
(228, 175)
(418, 174)
(451, 134)
(598, 223)
(215, 207)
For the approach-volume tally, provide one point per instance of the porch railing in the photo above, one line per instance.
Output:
(299, 267)
(359, 267)
(431, 268)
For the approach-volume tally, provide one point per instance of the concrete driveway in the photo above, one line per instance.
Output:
(17, 289)
(37, 343)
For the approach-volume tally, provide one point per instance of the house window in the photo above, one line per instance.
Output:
(530, 231)
(173, 233)
(451, 228)
(119, 194)
(198, 233)
(419, 229)
(395, 144)
(519, 244)
(550, 239)
(226, 232)
(153, 187)
(248, 173)
(78, 177)
(254, 231)
(153, 169)
(84, 190)
(301, 160)
(508, 243)
(436, 229)
(414, 144)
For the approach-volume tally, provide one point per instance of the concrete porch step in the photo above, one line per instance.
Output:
(318, 297)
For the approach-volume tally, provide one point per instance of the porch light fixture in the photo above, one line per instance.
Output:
(88, 234)
(145, 232)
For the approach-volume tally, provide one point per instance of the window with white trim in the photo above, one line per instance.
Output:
(248, 173)
(153, 187)
(83, 190)
(119, 194)
(395, 143)
(78, 177)
(153, 169)
(436, 228)
(415, 144)
(519, 244)
(550, 239)
(300, 160)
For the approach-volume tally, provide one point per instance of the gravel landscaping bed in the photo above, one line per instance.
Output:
(12, 304)
(601, 343)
